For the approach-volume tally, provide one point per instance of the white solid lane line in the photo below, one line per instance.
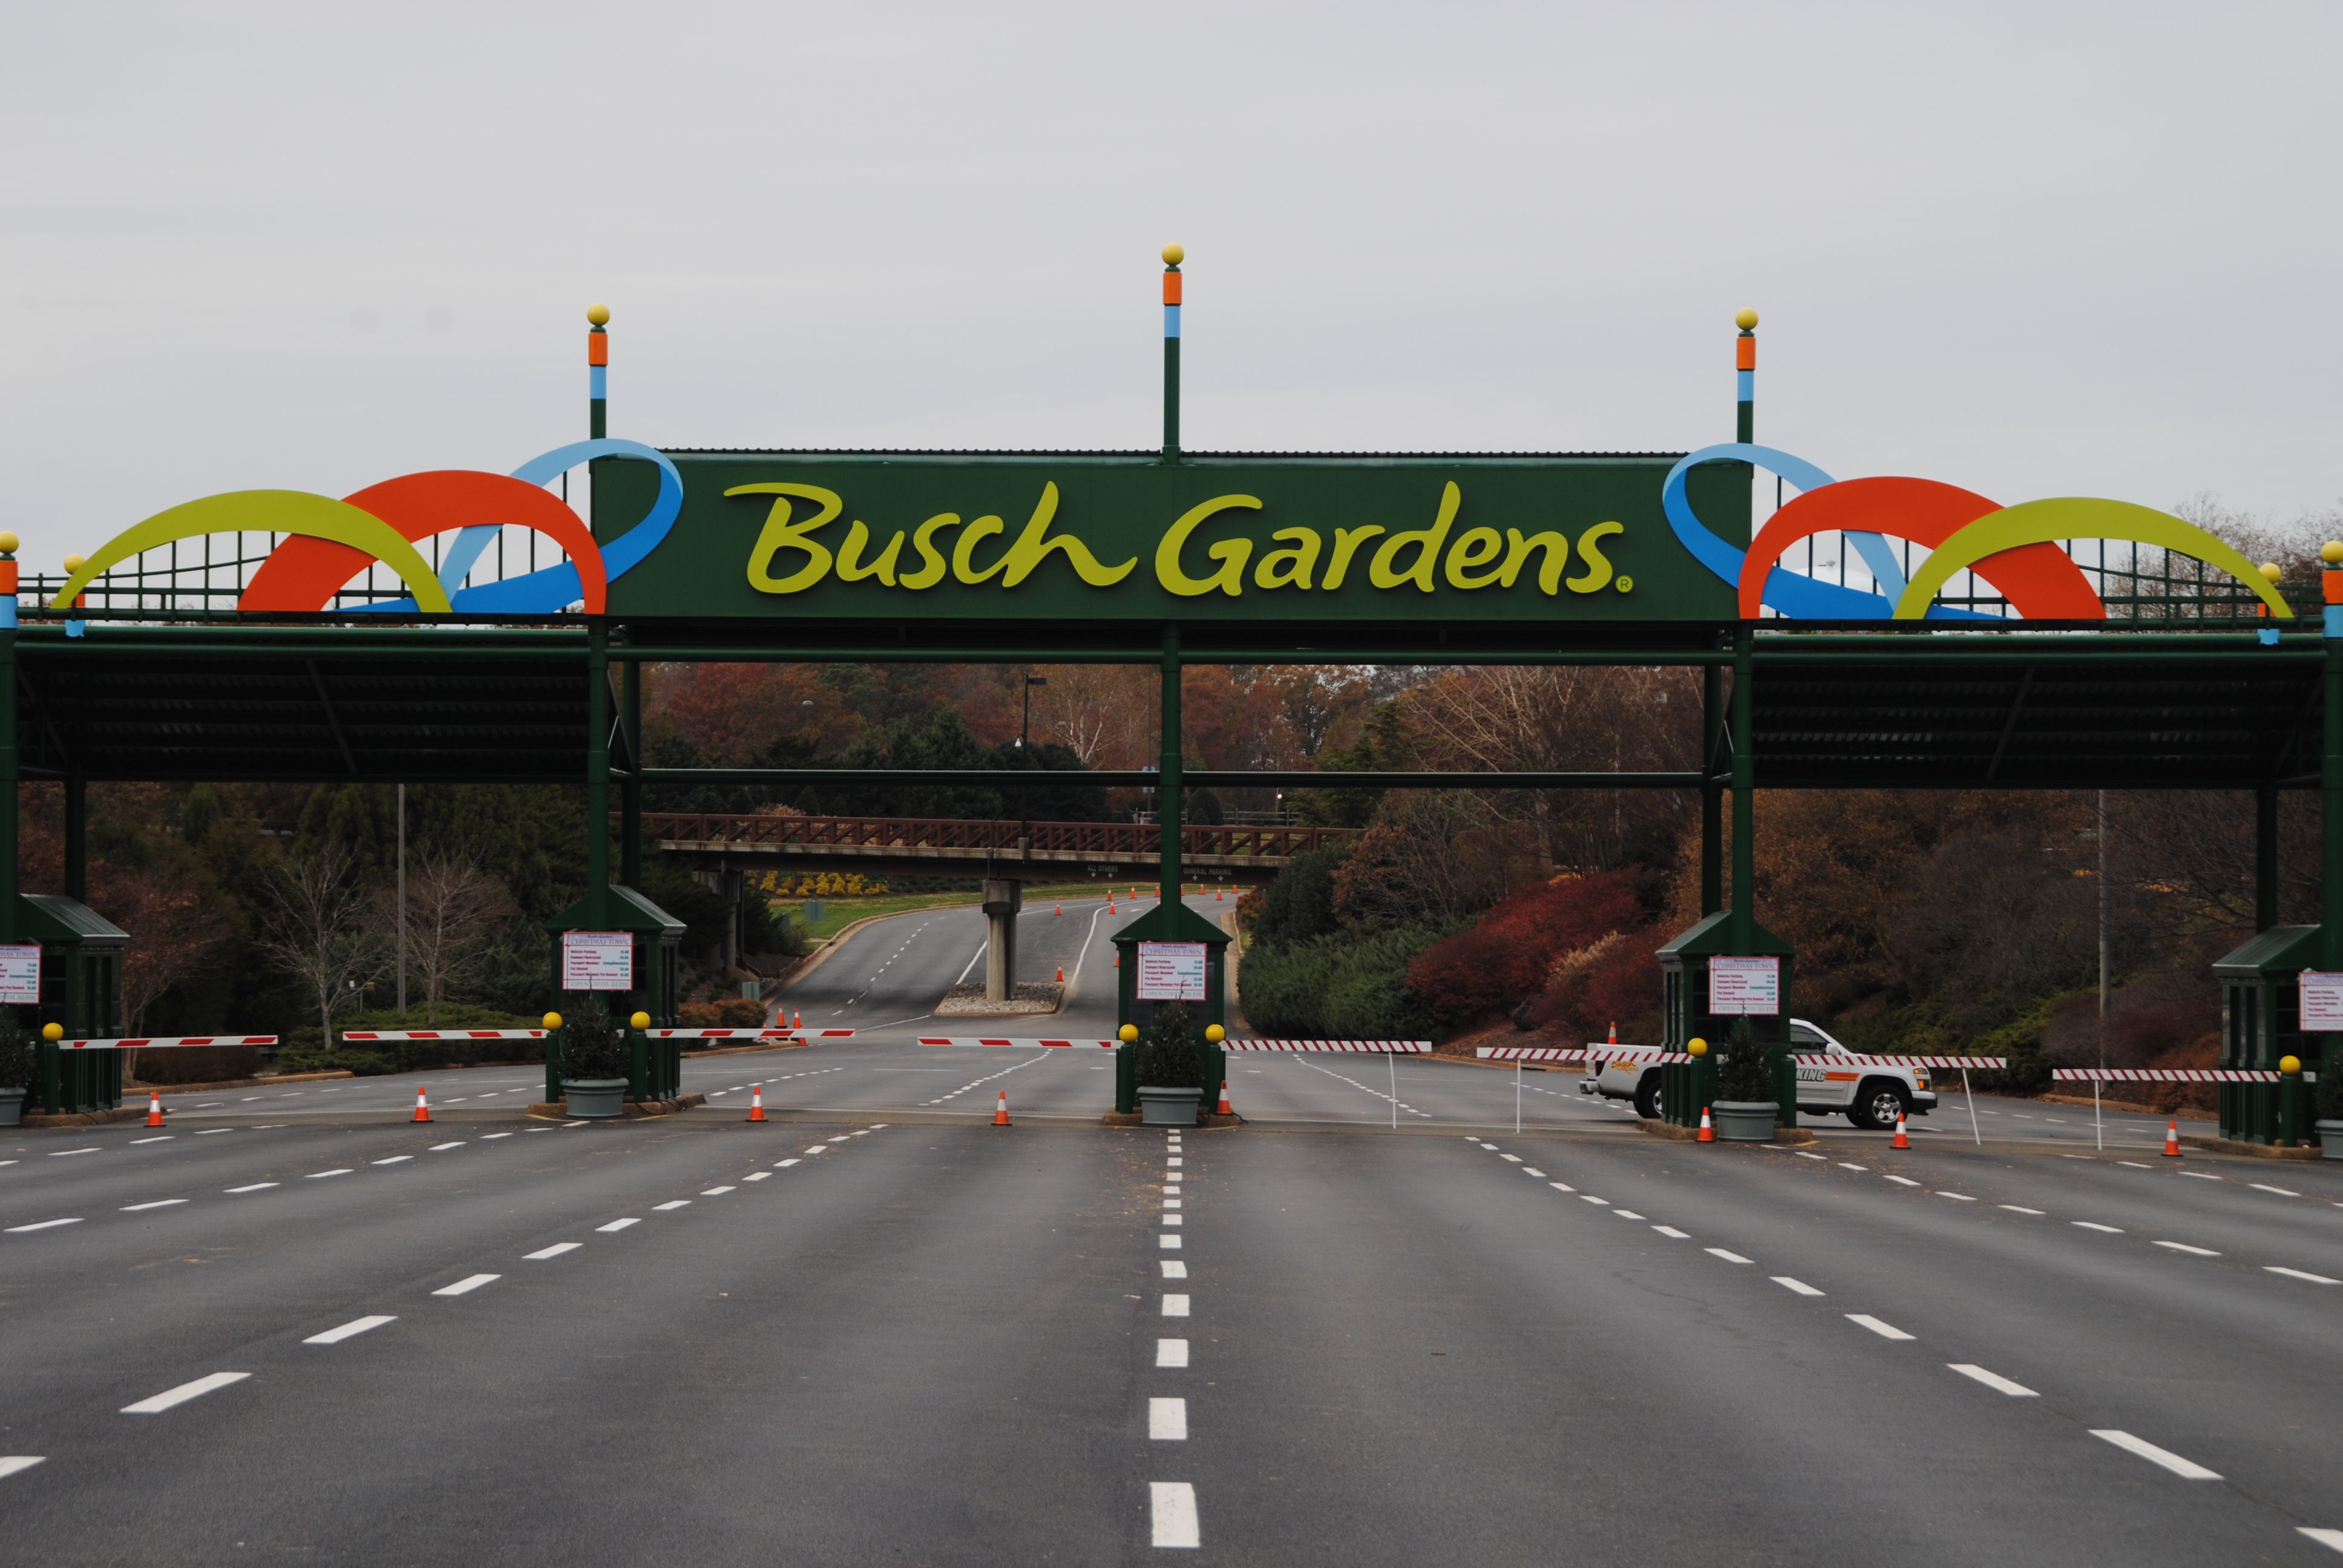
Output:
(1173, 1505)
(2188, 1470)
(2192, 1252)
(465, 1287)
(555, 1250)
(16, 1463)
(1175, 1306)
(2266, 1268)
(1993, 1380)
(1795, 1287)
(350, 1330)
(43, 1225)
(157, 1203)
(1884, 1331)
(1167, 1421)
(1170, 1352)
(256, 1187)
(1728, 1257)
(184, 1392)
(618, 1224)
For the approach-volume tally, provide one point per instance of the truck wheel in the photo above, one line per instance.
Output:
(1877, 1103)
(1647, 1097)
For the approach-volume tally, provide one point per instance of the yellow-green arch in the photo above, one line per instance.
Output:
(2075, 518)
(269, 511)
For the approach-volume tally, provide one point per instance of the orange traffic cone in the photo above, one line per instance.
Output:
(1000, 1111)
(1118, 961)
(1216, 895)
(154, 1108)
(1109, 903)
(801, 1022)
(1226, 1109)
(756, 1102)
(422, 1105)
(1059, 910)
(1901, 1142)
(1061, 974)
(1615, 1032)
(1707, 1133)
(2171, 1137)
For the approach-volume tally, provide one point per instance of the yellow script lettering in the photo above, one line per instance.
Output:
(1230, 553)
(779, 534)
(978, 529)
(850, 569)
(1032, 547)
(1554, 556)
(932, 565)
(1290, 568)
(1475, 548)
(1346, 544)
(1598, 567)
(1427, 543)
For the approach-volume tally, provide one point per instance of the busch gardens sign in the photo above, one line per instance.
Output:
(1312, 539)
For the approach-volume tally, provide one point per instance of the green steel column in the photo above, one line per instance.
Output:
(77, 838)
(9, 739)
(1744, 805)
(1168, 813)
(1711, 794)
(2265, 857)
(597, 773)
(1172, 257)
(630, 793)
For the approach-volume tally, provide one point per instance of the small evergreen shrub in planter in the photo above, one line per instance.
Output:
(594, 1060)
(1747, 1108)
(2327, 1102)
(16, 1067)
(1171, 1078)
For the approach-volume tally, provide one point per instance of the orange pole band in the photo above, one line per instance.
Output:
(1745, 354)
(598, 348)
(1171, 288)
(2332, 582)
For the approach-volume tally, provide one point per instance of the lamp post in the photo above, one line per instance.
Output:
(1024, 754)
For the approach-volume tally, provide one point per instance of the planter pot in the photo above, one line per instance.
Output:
(1168, 1107)
(594, 1099)
(1745, 1121)
(2330, 1136)
(12, 1109)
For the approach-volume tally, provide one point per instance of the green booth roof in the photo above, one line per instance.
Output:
(1175, 922)
(2282, 950)
(1713, 937)
(53, 918)
(624, 911)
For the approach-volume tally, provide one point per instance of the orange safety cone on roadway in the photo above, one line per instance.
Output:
(2172, 1138)
(1615, 1033)
(1901, 1142)
(422, 1104)
(154, 1107)
(1707, 1133)
(1000, 1111)
(1059, 910)
(801, 1022)
(1216, 895)
(1061, 974)
(756, 1102)
(1226, 1109)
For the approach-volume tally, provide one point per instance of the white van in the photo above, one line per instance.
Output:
(1870, 1097)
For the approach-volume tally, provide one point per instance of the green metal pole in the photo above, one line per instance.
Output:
(1744, 805)
(77, 838)
(2265, 857)
(1711, 794)
(1172, 257)
(631, 792)
(598, 774)
(1168, 815)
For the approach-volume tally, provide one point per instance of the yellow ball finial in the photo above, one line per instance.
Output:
(75, 563)
(1127, 1033)
(2290, 1065)
(1698, 1048)
(640, 1021)
(1215, 1033)
(2272, 571)
(599, 314)
(1745, 320)
(1174, 255)
(552, 1020)
(8, 544)
(2331, 552)
(53, 1032)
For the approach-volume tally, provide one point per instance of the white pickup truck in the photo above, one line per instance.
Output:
(1870, 1097)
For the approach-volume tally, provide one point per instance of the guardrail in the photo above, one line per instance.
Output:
(1107, 839)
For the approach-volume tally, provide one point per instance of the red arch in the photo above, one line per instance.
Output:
(302, 574)
(2039, 580)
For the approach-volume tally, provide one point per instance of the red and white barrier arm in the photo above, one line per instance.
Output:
(1017, 1044)
(1335, 1047)
(2171, 1075)
(1567, 1054)
(351, 1034)
(1982, 1063)
(166, 1042)
(725, 1033)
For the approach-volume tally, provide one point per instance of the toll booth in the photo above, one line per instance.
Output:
(81, 993)
(657, 947)
(1172, 922)
(1685, 1007)
(2261, 1022)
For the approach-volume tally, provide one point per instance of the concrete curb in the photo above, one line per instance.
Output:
(86, 1117)
(1786, 1137)
(2221, 1146)
(632, 1110)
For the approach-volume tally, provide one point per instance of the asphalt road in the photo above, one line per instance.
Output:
(876, 1329)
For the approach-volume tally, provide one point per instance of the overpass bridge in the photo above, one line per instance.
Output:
(1000, 850)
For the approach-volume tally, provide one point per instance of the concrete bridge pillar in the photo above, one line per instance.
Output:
(1002, 899)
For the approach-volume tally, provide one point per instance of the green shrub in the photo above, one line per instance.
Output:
(1744, 1072)
(1167, 1053)
(15, 1051)
(1348, 986)
(2327, 1090)
(302, 1052)
(593, 1045)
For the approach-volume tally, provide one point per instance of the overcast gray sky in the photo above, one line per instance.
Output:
(2031, 249)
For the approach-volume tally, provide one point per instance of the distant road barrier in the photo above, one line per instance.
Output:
(166, 1042)
(1648, 1054)
(1343, 1047)
(1019, 1042)
(350, 1034)
(2172, 1075)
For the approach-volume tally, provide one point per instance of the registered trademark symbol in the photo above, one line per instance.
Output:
(1625, 584)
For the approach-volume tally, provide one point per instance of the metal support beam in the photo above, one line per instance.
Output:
(598, 774)
(1168, 800)
(1711, 794)
(1199, 777)
(1744, 801)
(77, 838)
(630, 789)
(333, 719)
(2265, 857)
(2017, 707)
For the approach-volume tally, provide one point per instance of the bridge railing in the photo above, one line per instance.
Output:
(751, 831)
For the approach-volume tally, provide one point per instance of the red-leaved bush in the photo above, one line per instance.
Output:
(1504, 957)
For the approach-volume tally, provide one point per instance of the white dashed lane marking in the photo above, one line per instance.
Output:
(1795, 1287)
(17, 1463)
(169, 1397)
(350, 1330)
(617, 1225)
(1993, 1380)
(2187, 1469)
(2298, 1274)
(1884, 1331)
(1175, 1306)
(157, 1203)
(1172, 1352)
(1171, 1506)
(1167, 1420)
(555, 1250)
(466, 1286)
(42, 1225)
